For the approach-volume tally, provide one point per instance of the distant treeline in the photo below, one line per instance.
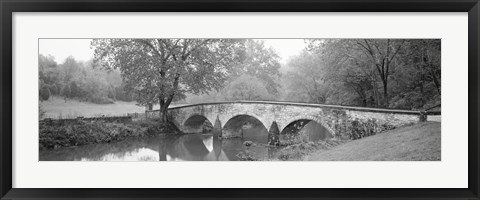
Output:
(81, 81)
(256, 76)
(390, 73)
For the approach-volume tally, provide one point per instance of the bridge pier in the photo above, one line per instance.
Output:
(217, 146)
(423, 116)
(217, 128)
(274, 135)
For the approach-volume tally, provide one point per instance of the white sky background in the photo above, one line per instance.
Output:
(286, 47)
(81, 51)
(62, 48)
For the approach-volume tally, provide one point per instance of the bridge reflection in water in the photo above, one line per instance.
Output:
(191, 147)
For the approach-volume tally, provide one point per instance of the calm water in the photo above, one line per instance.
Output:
(192, 147)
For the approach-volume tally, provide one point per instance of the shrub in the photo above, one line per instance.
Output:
(100, 100)
(65, 133)
(65, 91)
(41, 111)
(53, 89)
(44, 93)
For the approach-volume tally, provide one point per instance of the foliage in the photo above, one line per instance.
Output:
(66, 91)
(259, 62)
(298, 151)
(246, 87)
(163, 70)
(418, 81)
(61, 133)
(44, 93)
(41, 111)
(368, 72)
(307, 80)
(80, 80)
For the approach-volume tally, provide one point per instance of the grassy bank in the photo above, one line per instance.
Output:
(56, 107)
(300, 150)
(57, 133)
(291, 150)
(417, 142)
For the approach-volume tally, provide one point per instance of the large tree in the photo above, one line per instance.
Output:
(375, 55)
(417, 81)
(258, 61)
(307, 79)
(246, 87)
(350, 70)
(161, 70)
(382, 53)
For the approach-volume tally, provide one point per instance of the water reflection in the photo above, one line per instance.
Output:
(194, 147)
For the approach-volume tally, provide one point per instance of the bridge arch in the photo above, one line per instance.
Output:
(305, 129)
(297, 118)
(264, 122)
(195, 123)
(248, 126)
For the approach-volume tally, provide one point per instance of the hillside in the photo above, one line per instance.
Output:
(418, 142)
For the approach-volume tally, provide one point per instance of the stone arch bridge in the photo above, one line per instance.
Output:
(340, 121)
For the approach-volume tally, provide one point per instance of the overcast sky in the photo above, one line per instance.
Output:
(81, 51)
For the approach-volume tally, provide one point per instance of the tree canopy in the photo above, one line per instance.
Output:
(396, 73)
(260, 62)
(79, 80)
(159, 70)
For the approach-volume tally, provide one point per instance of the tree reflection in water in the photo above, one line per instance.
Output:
(193, 147)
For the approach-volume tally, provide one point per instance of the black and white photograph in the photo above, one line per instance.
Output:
(239, 99)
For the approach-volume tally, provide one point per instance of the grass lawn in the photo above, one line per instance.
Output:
(56, 107)
(417, 142)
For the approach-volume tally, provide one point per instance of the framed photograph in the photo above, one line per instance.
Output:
(246, 100)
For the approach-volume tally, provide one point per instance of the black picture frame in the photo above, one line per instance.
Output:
(7, 7)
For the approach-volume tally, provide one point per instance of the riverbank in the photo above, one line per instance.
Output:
(419, 142)
(410, 143)
(60, 133)
(292, 150)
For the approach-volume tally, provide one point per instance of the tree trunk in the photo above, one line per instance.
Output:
(385, 91)
(164, 110)
(164, 104)
(422, 92)
(375, 89)
(163, 113)
(149, 106)
(435, 80)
